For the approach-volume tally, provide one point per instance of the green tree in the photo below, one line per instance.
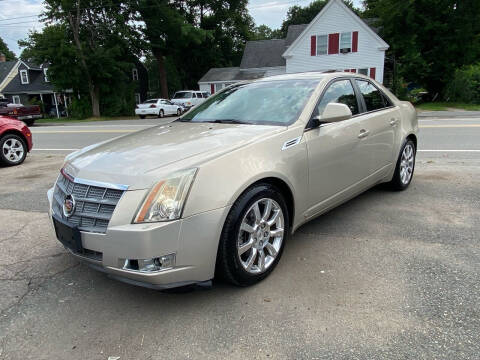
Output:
(429, 38)
(96, 41)
(263, 32)
(6, 51)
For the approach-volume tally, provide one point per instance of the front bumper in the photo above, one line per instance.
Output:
(195, 250)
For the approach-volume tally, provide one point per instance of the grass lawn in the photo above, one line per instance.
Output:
(69, 120)
(439, 106)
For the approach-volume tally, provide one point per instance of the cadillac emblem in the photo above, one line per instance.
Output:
(68, 206)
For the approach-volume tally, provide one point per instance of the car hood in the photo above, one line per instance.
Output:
(140, 159)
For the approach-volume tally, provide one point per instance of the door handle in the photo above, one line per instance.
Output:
(393, 122)
(363, 134)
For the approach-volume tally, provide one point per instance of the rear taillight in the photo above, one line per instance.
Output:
(153, 106)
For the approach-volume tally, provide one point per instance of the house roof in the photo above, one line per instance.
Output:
(5, 68)
(238, 74)
(293, 32)
(263, 53)
(36, 84)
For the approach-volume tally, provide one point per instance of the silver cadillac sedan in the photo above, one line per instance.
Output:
(219, 190)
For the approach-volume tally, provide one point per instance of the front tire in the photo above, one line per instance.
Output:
(13, 150)
(142, 116)
(160, 113)
(405, 167)
(253, 236)
(179, 112)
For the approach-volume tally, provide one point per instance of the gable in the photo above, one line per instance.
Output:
(336, 17)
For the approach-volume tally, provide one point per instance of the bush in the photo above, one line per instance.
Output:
(80, 108)
(465, 86)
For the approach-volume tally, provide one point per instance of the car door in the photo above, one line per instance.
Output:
(336, 151)
(381, 121)
(172, 109)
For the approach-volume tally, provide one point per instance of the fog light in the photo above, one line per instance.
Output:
(150, 265)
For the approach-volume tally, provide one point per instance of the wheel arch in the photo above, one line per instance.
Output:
(15, 132)
(281, 185)
(412, 137)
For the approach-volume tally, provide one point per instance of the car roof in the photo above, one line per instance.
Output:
(189, 91)
(313, 75)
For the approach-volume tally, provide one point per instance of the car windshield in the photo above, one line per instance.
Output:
(261, 103)
(182, 95)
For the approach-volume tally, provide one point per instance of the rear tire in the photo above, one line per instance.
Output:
(13, 150)
(29, 122)
(253, 236)
(142, 116)
(405, 167)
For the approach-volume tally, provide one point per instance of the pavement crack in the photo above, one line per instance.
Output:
(33, 258)
(15, 234)
(31, 287)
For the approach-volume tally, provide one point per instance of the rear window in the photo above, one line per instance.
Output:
(183, 95)
(151, 101)
(374, 99)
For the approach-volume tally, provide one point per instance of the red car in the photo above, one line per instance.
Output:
(15, 141)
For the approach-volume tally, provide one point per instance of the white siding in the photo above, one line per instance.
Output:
(204, 87)
(337, 19)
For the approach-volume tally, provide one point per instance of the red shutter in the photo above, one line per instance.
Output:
(372, 73)
(333, 43)
(346, 70)
(353, 70)
(355, 41)
(313, 45)
(212, 89)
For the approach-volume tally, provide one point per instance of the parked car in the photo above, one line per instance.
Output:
(221, 189)
(189, 98)
(157, 107)
(15, 141)
(28, 114)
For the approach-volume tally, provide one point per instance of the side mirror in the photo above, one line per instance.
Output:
(334, 112)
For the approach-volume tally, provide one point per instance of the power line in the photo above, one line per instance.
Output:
(20, 17)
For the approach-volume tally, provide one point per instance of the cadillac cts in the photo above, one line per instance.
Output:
(219, 190)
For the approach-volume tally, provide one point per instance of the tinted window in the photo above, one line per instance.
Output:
(151, 101)
(374, 99)
(182, 95)
(339, 92)
(264, 102)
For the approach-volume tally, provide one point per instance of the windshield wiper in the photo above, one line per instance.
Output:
(229, 121)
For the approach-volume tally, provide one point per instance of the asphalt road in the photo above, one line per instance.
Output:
(387, 275)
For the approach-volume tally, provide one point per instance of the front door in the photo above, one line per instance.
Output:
(336, 151)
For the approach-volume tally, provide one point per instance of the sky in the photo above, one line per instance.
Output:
(18, 17)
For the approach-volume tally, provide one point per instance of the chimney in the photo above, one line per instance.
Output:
(2, 58)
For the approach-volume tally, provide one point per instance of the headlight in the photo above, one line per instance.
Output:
(166, 199)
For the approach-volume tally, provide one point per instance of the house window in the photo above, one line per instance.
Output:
(24, 77)
(363, 71)
(16, 99)
(45, 74)
(218, 87)
(137, 98)
(134, 74)
(346, 42)
(322, 44)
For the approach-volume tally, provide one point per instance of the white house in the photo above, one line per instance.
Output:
(336, 39)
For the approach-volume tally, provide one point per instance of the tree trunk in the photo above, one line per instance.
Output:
(161, 73)
(95, 99)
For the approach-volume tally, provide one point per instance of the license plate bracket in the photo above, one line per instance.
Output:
(69, 236)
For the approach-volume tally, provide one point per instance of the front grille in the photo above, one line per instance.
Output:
(94, 205)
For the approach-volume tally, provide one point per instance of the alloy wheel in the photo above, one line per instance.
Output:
(261, 236)
(406, 164)
(13, 150)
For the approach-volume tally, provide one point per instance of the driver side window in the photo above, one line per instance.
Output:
(341, 92)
